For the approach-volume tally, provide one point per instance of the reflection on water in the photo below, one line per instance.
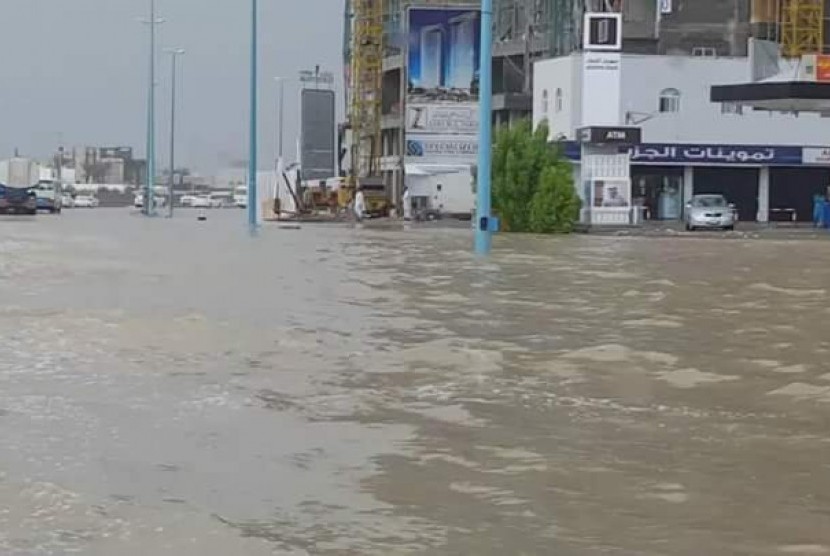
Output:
(175, 387)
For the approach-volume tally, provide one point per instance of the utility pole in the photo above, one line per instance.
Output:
(151, 114)
(252, 146)
(174, 54)
(278, 161)
(485, 224)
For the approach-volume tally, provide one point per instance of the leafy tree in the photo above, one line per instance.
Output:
(533, 188)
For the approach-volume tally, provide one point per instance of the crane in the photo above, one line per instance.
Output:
(364, 104)
(798, 25)
(802, 27)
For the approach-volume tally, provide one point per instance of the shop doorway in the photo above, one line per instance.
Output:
(738, 185)
(659, 190)
(791, 192)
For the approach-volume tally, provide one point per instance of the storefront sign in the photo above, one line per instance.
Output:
(442, 119)
(716, 154)
(817, 155)
(441, 148)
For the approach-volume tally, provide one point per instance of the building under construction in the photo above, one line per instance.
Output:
(528, 30)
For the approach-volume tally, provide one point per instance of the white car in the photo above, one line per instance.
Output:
(187, 200)
(86, 201)
(67, 201)
(202, 201)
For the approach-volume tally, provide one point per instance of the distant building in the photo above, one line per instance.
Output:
(103, 165)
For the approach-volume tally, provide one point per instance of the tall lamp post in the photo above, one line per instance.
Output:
(252, 146)
(278, 162)
(174, 55)
(151, 113)
(485, 223)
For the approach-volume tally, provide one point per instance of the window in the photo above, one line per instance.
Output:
(705, 51)
(669, 100)
(545, 102)
(731, 108)
(557, 101)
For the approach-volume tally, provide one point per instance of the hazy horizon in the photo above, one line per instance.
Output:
(87, 83)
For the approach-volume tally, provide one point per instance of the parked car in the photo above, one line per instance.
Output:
(67, 201)
(18, 200)
(49, 196)
(710, 211)
(202, 201)
(86, 201)
(187, 200)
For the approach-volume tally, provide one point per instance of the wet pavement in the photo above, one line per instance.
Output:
(177, 387)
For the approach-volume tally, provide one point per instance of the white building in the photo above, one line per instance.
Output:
(769, 164)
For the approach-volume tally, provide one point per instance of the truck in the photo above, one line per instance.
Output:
(19, 178)
(441, 191)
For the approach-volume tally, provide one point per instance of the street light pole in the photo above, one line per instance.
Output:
(174, 54)
(252, 147)
(151, 114)
(484, 222)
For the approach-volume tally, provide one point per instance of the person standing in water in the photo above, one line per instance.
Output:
(359, 205)
(407, 204)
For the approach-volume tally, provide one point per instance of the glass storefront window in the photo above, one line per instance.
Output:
(659, 192)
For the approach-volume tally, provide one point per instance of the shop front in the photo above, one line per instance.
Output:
(659, 191)
(765, 183)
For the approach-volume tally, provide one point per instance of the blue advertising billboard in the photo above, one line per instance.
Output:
(443, 51)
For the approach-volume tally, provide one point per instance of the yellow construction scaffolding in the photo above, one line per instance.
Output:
(802, 27)
(365, 90)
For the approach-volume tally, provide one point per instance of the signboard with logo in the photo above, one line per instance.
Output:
(602, 32)
(446, 149)
(454, 119)
(443, 48)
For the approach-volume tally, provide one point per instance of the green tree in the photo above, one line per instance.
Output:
(533, 188)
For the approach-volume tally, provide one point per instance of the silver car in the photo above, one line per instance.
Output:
(710, 211)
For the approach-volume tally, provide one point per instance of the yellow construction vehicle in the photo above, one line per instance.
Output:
(366, 73)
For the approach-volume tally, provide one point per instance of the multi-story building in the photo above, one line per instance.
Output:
(525, 31)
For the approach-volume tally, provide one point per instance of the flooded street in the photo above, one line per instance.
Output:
(177, 387)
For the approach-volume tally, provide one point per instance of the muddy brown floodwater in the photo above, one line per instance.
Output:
(177, 387)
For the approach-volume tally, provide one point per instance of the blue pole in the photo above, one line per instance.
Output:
(252, 147)
(149, 196)
(484, 235)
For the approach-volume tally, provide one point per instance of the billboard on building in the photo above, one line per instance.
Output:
(317, 134)
(443, 50)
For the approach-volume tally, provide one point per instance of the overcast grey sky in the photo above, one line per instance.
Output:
(76, 71)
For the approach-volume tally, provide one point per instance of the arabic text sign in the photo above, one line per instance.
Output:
(716, 154)
(428, 148)
(450, 119)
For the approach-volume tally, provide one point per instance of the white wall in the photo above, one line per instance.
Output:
(563, 74)
(699, 120)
